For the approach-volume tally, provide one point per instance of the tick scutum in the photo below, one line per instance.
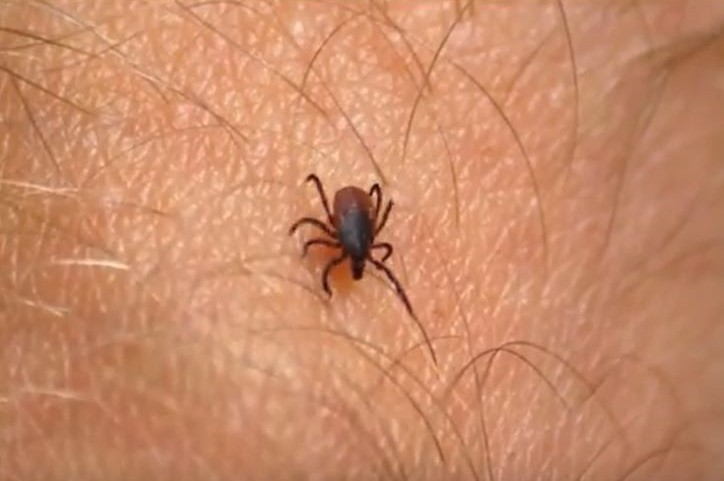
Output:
(355, 226)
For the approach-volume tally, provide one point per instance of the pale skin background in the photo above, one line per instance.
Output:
(158, 323)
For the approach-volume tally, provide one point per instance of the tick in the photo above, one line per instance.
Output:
(352, 227)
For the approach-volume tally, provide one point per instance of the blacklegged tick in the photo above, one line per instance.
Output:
(353, 227)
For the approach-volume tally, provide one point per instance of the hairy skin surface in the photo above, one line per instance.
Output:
(559, 190)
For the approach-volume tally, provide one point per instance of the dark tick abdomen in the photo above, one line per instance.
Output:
(354, 223)
(355, 232)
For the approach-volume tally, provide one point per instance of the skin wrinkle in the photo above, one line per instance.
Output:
(160, 391)
(512, 128)
(574, 79)
(529, 166)
(428, 75)
(354, 422)
(387, 375)
(641, 126)
(478, 385)
(368, 405)
(391, 23)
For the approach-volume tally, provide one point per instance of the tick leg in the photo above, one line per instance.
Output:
(327, 269)
(375, 189)
(398, 287)
(403, 297)
(322, 195)
(320, 242)
(314, 222)
(386, 246)
(385, 215)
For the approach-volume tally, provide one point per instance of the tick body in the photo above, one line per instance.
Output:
(352, 226)
(354, 223)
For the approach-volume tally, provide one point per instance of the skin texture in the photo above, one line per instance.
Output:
(558, 185)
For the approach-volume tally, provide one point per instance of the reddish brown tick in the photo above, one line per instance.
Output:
(353, 227)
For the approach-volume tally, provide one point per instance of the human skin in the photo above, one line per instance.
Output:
(558, 186)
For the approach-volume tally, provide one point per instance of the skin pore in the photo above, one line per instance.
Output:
(557, 175)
